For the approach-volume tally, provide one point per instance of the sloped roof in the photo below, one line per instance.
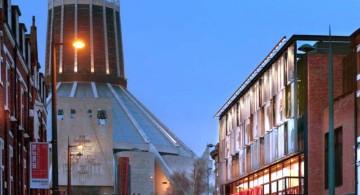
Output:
(134, 126)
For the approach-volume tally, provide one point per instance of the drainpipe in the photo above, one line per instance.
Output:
(357, 144)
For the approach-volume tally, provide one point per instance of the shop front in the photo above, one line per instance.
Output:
(284, 177)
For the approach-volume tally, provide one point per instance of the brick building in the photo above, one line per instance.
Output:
(273, 131)
(22, 96)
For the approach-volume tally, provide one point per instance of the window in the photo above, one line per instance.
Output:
(1, 58)
(10, 169)
(337, 157)
(255, 155)
(235, 166)
(242, 161)
(22, 108)
(60, 114)
(7, 85)
(2, 166)
(73, 113)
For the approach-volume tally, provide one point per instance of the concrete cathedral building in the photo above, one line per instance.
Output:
(127, 150)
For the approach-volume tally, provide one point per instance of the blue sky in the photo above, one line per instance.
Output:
(184, 59)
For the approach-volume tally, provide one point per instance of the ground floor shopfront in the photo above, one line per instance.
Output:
(283, 177)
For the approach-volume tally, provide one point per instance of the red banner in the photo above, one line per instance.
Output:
(39, 165)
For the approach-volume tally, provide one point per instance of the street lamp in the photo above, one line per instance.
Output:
(208, 146)
(79, 146)
(55, 167)
(331, 136)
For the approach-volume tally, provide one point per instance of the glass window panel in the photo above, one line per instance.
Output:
(290, 63)
(234, 117)
(267, 86)
(287, 168)
(247, 105)
(260, 91)
(228, 124)
(273, 145)
(242, 162)
(302, 170)
(268, 116)
(261, 123)
(281, 142)
(289, 102)
(255, 125)
(232, 143)
(242, 109)
(242, 135)
(222, 127)
(267, 157)
(248, 132)
(274, 85)
(280, 107)
(281, 72)
(227, 146)
(251, 181)
(262, 151)
(255, 151)
(273, 178)
(237, 139)
(291, 137)
(248, 159)
(295, 167)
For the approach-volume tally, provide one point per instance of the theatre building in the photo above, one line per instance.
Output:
(273, 131)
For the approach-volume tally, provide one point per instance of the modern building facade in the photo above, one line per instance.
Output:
(22, 101)
(273, 131)
(125, 138)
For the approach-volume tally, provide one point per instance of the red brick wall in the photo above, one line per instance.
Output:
(317, 65)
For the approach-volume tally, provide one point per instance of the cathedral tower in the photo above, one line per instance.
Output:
(95, 22)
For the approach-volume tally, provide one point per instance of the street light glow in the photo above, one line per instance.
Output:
(78, 44)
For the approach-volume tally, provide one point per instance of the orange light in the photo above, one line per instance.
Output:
(78, 44)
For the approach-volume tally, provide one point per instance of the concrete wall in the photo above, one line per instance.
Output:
(142, 171)
(95, 166)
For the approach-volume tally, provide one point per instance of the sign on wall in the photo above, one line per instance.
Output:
(39, 165)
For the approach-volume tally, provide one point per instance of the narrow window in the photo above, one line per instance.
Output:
(60, 114)
(7, 83)
(73, 113)
(102, 116)
(22, 108)
(338, 157)
(2, 166)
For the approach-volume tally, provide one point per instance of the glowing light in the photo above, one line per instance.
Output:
(78, 44)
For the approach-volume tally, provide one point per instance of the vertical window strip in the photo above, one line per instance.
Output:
(91, 40)
(61, 39)
(106, 41)
(75, 32)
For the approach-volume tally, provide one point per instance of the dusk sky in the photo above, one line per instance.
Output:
(185, 58)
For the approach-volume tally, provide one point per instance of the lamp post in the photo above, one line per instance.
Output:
(79, 146)
(331, 134)
(208, 168)
(55, 179)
